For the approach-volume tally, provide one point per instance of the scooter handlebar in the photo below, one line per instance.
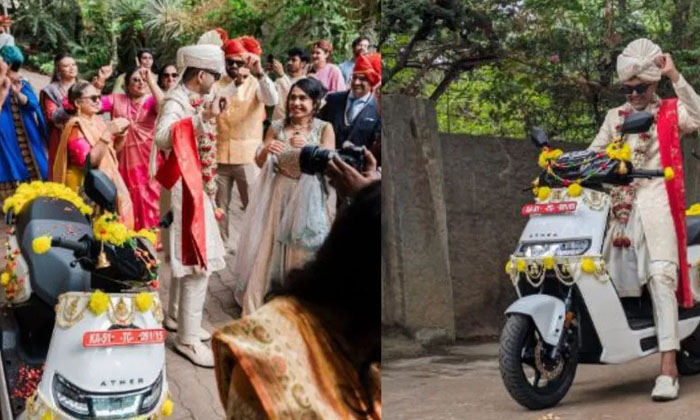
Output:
(646, 173)
(79, 248)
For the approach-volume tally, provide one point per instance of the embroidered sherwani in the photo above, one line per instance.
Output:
(651, 197)
(177, 106)
(188, 284)
(652, 253)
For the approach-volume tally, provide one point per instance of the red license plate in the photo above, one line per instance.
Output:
(123, 337)
(549, 208)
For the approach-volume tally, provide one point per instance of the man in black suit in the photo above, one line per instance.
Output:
(355, 114)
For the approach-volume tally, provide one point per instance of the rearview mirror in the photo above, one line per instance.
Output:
(637, 123)
(538, 137)
(100, 189)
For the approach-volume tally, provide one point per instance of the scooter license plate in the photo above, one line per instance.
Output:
(126, 337)
(549, 208)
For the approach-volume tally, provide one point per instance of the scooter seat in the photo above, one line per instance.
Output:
(693, 228)
(51, 274)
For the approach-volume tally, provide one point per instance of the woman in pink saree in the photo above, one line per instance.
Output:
(141, 109)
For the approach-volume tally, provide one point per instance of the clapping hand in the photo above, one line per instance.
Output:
(297, 141)
(118, 126)
(276, 147)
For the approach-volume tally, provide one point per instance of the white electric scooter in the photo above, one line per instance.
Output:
(65, 353)
(568, 310)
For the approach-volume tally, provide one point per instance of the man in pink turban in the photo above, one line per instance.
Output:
(653, 234)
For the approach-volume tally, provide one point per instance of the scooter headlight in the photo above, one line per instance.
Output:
(81, 404)
(554, 249)
(70, 398)
(153, 395)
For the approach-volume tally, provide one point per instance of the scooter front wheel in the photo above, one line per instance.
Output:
(530, 376)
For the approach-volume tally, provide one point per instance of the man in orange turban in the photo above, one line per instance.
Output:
(355, 113)
(240, 125)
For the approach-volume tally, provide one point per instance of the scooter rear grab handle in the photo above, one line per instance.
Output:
(79, 248)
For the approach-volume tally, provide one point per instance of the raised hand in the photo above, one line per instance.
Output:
(254, 64)
(278, 68)
(105, 72)
(668, 68)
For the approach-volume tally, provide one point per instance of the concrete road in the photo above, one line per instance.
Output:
(463, 382)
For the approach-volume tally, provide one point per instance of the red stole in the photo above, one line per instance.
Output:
(184, 163)
(671, 156)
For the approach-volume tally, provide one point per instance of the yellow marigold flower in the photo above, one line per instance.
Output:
(588, 265)
(118, 233)
(167, 409)
(149, 235)
(99, 302)
(619, 152)
(143, 301)
(41, 245)
(9, 202)
(668, 173)
(548, 263)
(694, 210)
(574, 190)
(48, 415)
(543, 193)
(509, 267)
(4, 278)
(546, 155)
(520, 265)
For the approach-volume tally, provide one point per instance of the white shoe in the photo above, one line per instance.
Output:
(666, 388)
(171, 325)
(199, 354)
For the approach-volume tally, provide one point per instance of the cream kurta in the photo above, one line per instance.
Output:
(651, 198)
(176, 106)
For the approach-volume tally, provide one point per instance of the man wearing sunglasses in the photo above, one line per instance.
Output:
(240, 125)
(651, 241)
(185, 129)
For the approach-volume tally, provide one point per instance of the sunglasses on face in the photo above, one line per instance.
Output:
(639, 89)
(93, 98)
(214, 74)
(137, 80)
(170, 75)
(235, 63)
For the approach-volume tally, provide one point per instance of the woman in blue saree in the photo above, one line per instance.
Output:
(23, 135)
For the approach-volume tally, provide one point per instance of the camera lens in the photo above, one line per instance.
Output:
(313, 159)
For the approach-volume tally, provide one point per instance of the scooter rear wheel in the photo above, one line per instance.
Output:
(519, 341)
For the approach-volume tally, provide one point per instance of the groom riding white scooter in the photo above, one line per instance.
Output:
(654, 231)
(587, 251)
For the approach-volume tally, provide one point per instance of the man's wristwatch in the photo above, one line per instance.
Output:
(258, 75)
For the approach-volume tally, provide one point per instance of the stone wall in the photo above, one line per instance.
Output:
(417, 290)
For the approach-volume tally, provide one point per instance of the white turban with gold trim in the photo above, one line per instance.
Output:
(637, 60)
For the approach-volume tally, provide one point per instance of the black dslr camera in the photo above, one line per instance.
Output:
(314, 160)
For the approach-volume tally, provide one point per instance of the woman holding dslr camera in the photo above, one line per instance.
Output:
(290, 213)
